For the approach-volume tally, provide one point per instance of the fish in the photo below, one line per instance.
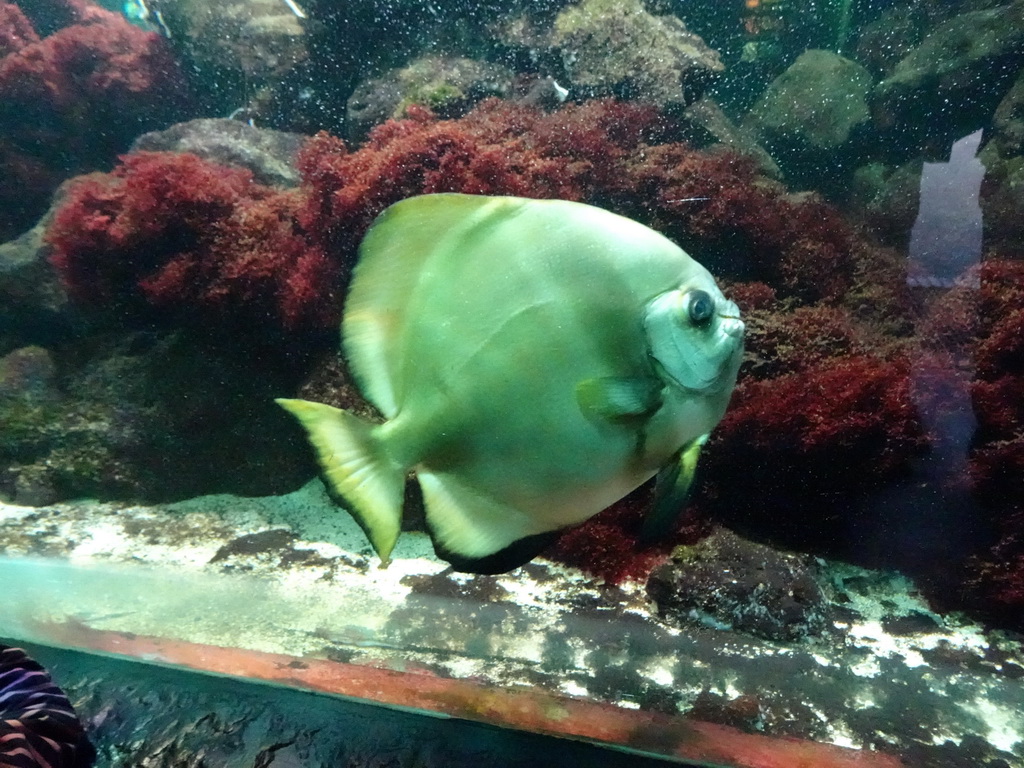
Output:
(534, 361)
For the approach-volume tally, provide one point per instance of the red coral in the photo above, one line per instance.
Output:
(197, 240)
(70, 102)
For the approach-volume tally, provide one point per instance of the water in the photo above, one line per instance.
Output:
(846, 581)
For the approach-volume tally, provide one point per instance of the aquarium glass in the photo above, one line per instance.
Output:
(644, 372)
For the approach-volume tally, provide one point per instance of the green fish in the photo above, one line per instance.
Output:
(536, 360)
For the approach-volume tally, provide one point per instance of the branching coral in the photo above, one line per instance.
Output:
(71, 101)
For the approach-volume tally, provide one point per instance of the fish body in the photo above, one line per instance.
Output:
(535, 360)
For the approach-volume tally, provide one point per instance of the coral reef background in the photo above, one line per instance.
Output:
(150, 316)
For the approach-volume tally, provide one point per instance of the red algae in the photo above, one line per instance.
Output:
(852, 417)
(71, 101)
(16, 30)
(608, 545)
(200, 242)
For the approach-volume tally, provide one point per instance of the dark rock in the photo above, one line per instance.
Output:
(235, 47)
(1003, 190)
(448, 86)
(263, 542)
(33, 304)
(153, 417)
(708, 125)
(27, 372)
(617, 48)
(542, 92)
(32, 486)
(889, 38)
(949, 85)
(28, 395)
(890, 200)
(1008, 121)
(813, 118)
(912, 624)
(728, 582)
(270, 155)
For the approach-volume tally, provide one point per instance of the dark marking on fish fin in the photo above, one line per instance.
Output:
(475, 532)
(515, 554)
(672, 490)
(619, 398)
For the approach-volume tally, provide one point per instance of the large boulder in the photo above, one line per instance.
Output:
(813, 117)
(1008, 123)
(33, 304)
(617, 48)
(448, 86)
(728, 582)
(949, 85)
(270, 155)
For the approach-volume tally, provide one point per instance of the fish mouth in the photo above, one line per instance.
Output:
(730, 322)
(731, 325)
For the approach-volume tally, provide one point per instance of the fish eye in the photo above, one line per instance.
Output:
(700, 307)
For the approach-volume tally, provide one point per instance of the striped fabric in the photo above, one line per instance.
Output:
(38, 726)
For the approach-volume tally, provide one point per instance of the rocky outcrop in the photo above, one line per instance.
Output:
(813, 117)
(949, 85)
(617, 48)
(448, 86)
(270, 155)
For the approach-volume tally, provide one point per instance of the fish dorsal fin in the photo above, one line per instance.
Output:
(393, 259)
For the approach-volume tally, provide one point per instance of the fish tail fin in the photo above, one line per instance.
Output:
(357, 468)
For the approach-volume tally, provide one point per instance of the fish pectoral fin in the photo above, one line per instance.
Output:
(356, 470)
(672, 489)
(476, 533)
(619, 398)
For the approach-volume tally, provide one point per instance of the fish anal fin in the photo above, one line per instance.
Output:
(672, 489)
(474, 532)
(356, 469)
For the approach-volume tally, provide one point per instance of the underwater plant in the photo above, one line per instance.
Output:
(196, 242)
(71, 101)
